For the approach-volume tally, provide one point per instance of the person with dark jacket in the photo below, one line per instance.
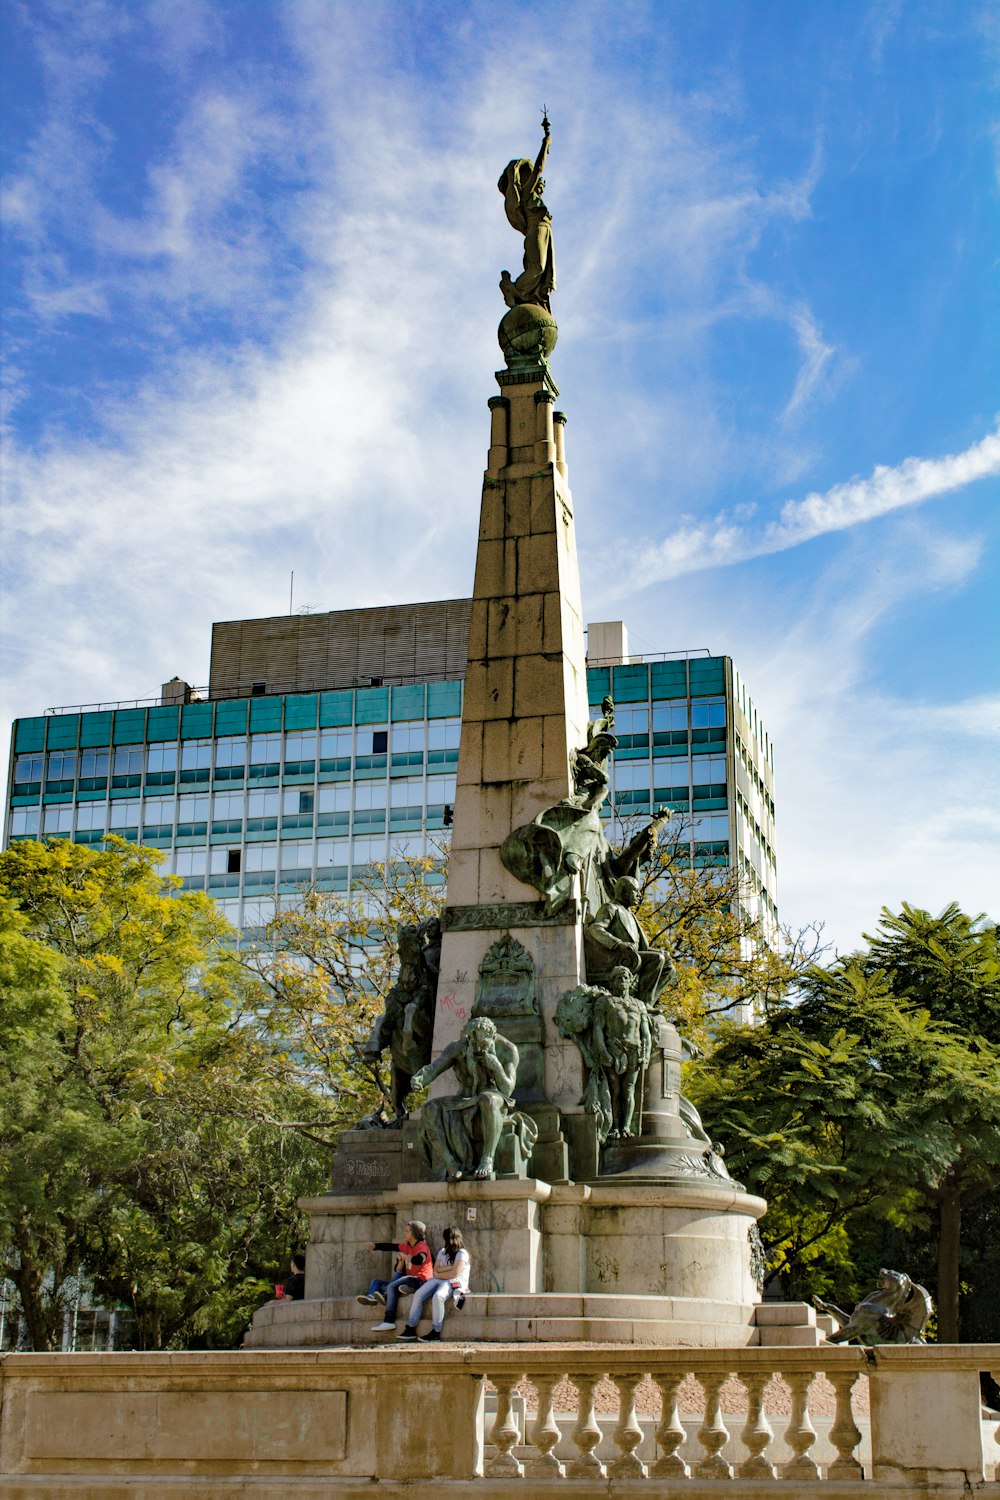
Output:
(295, 1287)
(413, 1266)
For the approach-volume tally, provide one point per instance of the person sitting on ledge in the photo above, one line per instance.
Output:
(412, 1269)
(294, 1289)
(449, 1283)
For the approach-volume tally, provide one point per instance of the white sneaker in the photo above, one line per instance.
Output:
(384, 1328)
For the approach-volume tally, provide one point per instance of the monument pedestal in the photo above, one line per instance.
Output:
(658, 1263)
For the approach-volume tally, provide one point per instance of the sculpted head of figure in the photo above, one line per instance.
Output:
(620, 981)
(627, 891)
(481, 1034)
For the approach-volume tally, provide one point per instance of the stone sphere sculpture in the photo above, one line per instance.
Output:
(527, 335)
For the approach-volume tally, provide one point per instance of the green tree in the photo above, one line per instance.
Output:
(728, 958)
(875, 1090)
(322, 971)
(143, 1116)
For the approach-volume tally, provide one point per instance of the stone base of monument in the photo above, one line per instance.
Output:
(618, 1261)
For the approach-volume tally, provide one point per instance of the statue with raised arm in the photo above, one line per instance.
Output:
(460, 1134)
(522, 186)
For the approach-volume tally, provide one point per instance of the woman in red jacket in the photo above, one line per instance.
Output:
(413, 1267)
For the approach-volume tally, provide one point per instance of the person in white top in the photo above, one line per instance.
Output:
(449, 1283)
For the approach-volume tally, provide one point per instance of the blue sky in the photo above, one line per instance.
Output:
(250, 301)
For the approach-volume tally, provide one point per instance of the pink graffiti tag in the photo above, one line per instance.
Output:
(448, 1002)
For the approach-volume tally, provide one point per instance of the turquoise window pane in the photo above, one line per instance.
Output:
(231, 718)
(336, 709)
(29, 734)
(669, 679)
(708, 676)
(598, 683)
(64, 731)
(130, 726)
(630, 684)
(300, 711)
(265, 714)
(95, 729)
(444, 700)
(162, 723)
(196, 721)
(408, 702)
(372, 705)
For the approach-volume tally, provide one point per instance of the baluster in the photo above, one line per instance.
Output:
(844, 1434)
(586, 1433)
(504, 1433)
(543, 1464)
(713, 1434)
(628, 1433)
(801, 1434)
(757, 1431)
(670, 1434)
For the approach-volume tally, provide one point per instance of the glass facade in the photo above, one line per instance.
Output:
(252, 798)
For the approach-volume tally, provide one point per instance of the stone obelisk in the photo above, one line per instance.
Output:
(525, 705)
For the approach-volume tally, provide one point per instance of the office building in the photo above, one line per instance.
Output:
(325, 741)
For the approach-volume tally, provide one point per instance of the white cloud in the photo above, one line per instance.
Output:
(724, 541)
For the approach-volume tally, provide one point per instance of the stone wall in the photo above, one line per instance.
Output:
(301, 1426)
(341, 648)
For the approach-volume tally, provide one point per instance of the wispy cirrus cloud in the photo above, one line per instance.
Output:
(720, 542)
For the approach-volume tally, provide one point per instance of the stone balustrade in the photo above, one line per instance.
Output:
(925, 1427)
(573, 1420)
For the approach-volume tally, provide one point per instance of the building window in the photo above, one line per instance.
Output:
(265, 754)
(630, 774)
(373, 740)
(259, 859)
(91, 816)
(298, 802)
(189, 862)
(62, 766)
(57, 820)
(124, 819)
(231, 751)
(233, 860)
(300, 746)
(407, 737)
(128, 760)
(364, 850)
(408, 846)
(632, 727)
(708, 713)
(161, 758)
(24, 822)
(333, 852)
(27, 768)
(670, 716)
(443, 736)
(336, 744)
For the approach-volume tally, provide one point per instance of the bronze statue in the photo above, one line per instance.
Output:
(522, 186)
(567, 840)
(894, 1313)
(460, 1134)
(613, 937)
(406, 1026)
(612, 1028)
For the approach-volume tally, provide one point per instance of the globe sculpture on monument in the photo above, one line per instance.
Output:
(555, 1133)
